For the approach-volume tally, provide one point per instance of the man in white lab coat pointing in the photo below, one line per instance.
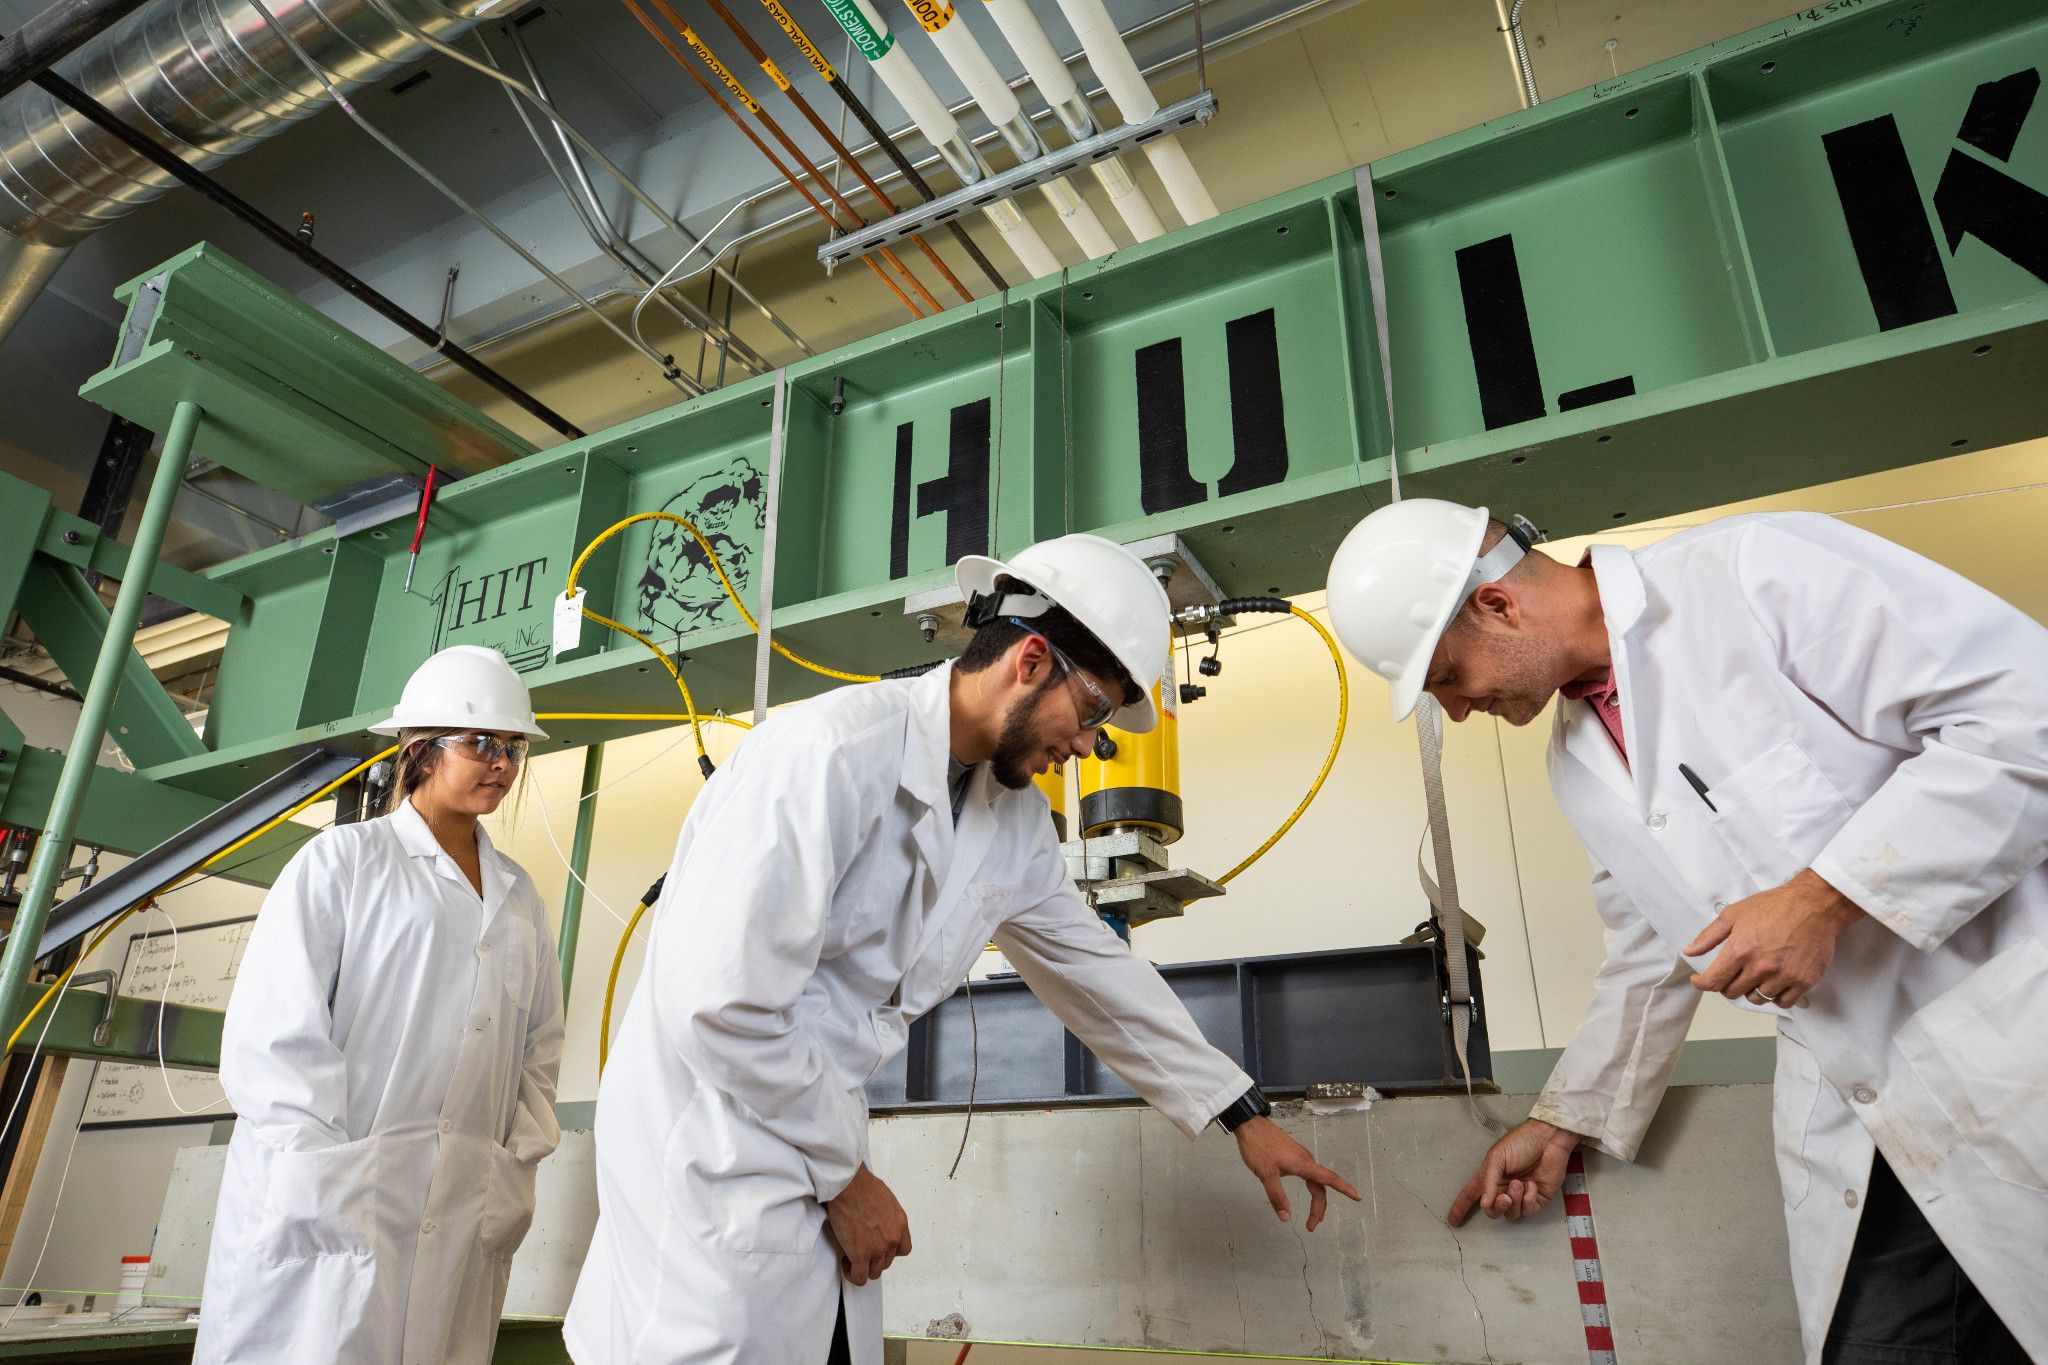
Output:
(834, 881)
(1812, 771)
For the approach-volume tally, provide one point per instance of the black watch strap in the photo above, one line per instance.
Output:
(1250, 1105)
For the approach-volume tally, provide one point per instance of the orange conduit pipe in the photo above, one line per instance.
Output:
(839, 149)
(739, 92)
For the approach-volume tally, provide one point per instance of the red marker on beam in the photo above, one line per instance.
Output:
(419, 529)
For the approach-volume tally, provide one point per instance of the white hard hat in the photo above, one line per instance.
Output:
(467, 687)
(1399, 577)
(1101, 585)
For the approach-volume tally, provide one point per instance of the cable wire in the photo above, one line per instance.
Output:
(611, 986)
(595, 152)
(732, 595)
(57, 987)
(665, 364)
(1329, 759)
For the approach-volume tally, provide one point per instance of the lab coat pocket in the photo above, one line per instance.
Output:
(508, 1202)
(516, 966)
(1978, 1048)
(1778, 812)
(321, 1202)
(1795, 1094)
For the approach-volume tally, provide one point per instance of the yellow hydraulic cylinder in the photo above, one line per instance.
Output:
(1053, 782)
(1138, 785)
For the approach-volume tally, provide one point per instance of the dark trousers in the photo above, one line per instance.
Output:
(840, 1354)
(1904, 1299)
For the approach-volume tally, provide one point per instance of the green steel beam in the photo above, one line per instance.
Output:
(72, 623)
(191, 1035)
(1787, 259)
(76, 541)
(127, 813)
(53, 850)
(293, 399)
(579, 863)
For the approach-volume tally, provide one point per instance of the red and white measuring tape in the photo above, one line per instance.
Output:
(1578, 1210)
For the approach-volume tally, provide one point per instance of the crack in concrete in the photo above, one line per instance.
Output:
(1313, 1321)
(1485, 1346)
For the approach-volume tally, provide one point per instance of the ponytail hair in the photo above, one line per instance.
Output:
(418, 756)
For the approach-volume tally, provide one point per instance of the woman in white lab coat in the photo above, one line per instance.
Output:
(390, 1051)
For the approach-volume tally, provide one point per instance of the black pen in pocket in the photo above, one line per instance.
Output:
(1699, 786)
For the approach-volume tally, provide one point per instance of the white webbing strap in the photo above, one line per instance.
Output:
(1442, 890)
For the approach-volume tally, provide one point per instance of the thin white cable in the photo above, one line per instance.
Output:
(28, 1285)
(1859, 511)
(163, 1007)
(549, 826)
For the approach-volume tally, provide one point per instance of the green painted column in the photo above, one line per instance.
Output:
(579, 863)
(53, 851)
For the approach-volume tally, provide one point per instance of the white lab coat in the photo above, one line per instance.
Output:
(1855, 709)
(819, 901)
(390, 1050)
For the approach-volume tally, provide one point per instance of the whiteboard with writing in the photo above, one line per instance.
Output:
(198, 967)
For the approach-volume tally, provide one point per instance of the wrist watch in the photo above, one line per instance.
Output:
(1250, 1105)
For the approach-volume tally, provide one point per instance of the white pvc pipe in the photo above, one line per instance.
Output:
(1027, 38)
(992, 93)
(1118, 71)
(900, 76)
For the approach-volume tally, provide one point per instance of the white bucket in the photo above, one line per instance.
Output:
(134, 1279)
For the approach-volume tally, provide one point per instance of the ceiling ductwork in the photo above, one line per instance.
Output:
(208, 78)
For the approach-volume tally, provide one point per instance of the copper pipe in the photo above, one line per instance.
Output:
(795, 153)
(732, 82)
(647, 22)
(803, 106)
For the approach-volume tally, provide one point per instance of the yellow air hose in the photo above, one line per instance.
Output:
(611, 986)
(107, 930)
(732, 594)
(116, 922)
(1336, 740)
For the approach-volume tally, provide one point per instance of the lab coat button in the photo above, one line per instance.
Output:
(447, 1125)
(1849, 1198)
(1863, 1094)
(1656, 820)
(427, 1228)
(483, 945)
(1719, 906)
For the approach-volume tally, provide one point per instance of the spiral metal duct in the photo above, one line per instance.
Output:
(208, 78)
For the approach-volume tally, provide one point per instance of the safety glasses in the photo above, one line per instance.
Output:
(1104, 708)
(485, 748)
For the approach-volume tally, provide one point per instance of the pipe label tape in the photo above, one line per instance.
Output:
(866, 40)
(732, 82)
(802, 40)
(775, 74)
(933, 14)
